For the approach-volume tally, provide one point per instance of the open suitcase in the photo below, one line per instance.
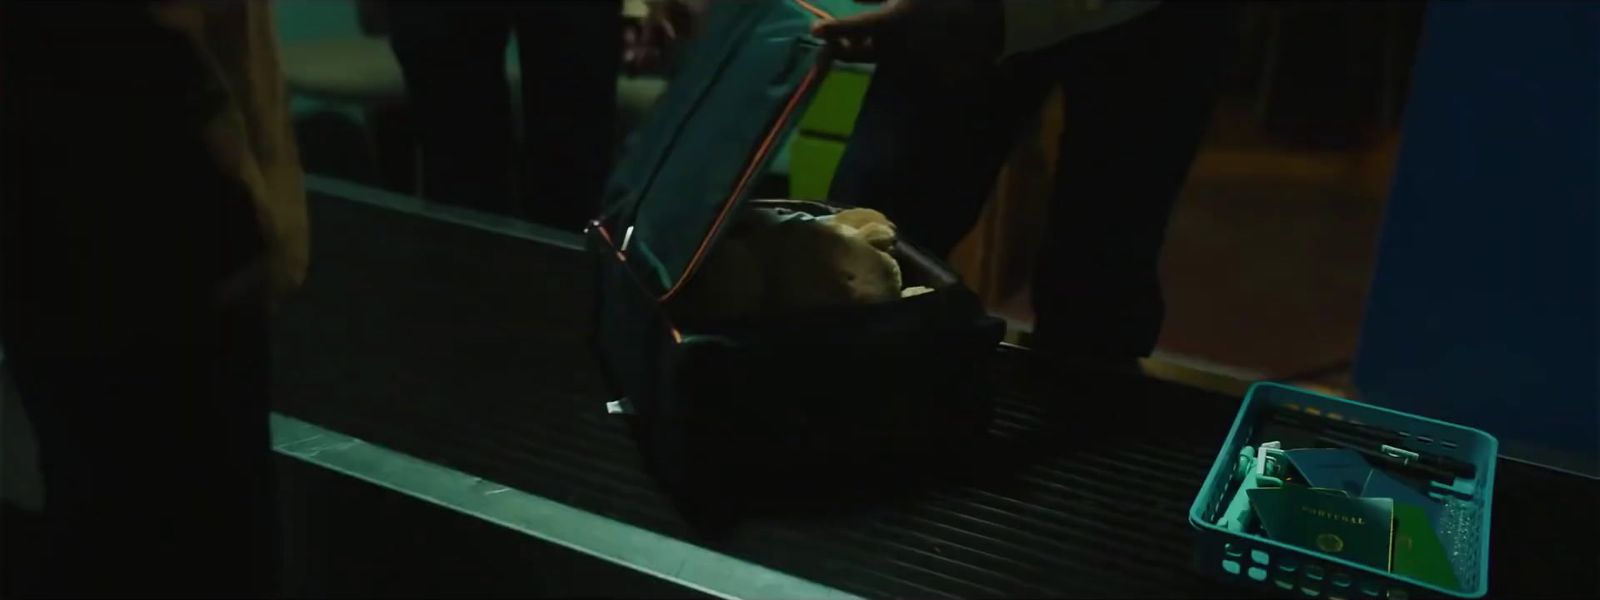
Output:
(729, 412)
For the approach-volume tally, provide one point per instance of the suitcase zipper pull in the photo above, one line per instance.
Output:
(619, 406)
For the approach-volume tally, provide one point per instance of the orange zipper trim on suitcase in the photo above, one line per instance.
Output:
(749, 174)
(605, 236)
(812, 8)
(756, 159)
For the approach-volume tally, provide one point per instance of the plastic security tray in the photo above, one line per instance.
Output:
(1260, 562)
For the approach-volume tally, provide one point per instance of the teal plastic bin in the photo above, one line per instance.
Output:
(1257, 561)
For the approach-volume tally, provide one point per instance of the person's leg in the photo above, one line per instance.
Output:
(238, 534)
(927, 153)
(152, 430)
(148, 395)
(453, 60)
(571, 54)
(75, 561)
(1139, 98)
(157, 467)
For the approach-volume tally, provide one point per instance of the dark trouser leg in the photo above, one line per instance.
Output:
(1138, 100)
(149, 400)
(571, 54)
(927, 153)
(453, 60)
(157, 466)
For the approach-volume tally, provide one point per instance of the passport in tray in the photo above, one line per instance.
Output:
(1359, 530)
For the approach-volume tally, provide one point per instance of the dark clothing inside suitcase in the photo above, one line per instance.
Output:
(789, 411)
(454, 62)
(1138, 101)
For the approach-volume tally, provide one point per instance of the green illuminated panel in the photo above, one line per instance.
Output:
(833, 109)
(812, 162)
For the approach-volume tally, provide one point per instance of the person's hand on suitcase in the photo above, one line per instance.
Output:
(949, 38)
(664, 24)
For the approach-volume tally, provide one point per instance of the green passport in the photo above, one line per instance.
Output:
(1417, 551)
(1359, 530)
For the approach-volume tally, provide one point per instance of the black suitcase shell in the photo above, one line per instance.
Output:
(730, 412)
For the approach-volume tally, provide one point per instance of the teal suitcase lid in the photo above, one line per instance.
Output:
(741, 89)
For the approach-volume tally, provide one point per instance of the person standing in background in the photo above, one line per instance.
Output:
(956, 83)
(452, 56)
(151, 217)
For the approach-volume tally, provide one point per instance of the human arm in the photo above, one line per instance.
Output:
(664, 23)
(970, 30)
(1037, 24)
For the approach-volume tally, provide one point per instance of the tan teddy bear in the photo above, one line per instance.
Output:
(826, 262)
(876, 229)
(778, 262)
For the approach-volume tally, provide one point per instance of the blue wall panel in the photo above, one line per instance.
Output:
(1483, 308)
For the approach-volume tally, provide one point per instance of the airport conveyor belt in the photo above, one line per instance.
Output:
(466, 348)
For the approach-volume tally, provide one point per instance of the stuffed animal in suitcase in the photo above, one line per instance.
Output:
(753, 344)
(777, 262)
